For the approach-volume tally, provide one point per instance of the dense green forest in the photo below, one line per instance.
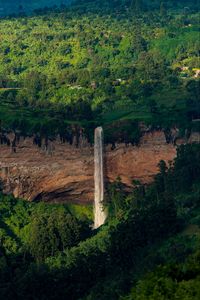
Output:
(121, 64)
(148, 248)
(21, 7)
(114, 63)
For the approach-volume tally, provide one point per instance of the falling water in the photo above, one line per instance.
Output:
(99, 212)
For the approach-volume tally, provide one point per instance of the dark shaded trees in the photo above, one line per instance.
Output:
(51, 233)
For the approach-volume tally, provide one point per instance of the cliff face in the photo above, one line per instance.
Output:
(64, 173)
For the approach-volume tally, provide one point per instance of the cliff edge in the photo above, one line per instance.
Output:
(65, 173)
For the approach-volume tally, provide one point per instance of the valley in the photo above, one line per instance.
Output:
(99, 150)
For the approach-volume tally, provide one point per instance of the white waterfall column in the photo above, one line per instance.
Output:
(99, 212)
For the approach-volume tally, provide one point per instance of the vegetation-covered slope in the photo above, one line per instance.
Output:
(100, 64)
(150, 242)
(118, 64)
(19, 7)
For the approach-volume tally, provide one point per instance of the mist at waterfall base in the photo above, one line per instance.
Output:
(99, 212)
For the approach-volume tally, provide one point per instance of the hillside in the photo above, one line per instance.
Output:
(130, 67)
(86, 69)
(18, 7)
(149, 244)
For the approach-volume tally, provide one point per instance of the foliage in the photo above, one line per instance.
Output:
(52, 233)
(145, 242)
(40, 229)
(170, 282)
(100, 63)
(119, 64)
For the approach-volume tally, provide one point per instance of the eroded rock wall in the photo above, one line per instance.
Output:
(62, 172)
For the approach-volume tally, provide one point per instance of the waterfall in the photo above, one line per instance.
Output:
(99, 213)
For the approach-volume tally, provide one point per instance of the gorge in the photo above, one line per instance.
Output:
(65, 173)
(99, 150)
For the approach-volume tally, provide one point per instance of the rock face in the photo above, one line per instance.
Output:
(64, 173)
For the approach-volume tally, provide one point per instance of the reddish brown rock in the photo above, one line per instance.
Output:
(64, 173)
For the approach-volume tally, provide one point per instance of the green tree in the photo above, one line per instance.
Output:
(51, 233)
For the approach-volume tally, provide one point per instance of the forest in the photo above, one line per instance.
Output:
(123, 65)
(116, 65)
(21, 7)
(148, 248)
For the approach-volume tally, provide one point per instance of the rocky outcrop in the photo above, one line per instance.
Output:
(61, 172)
